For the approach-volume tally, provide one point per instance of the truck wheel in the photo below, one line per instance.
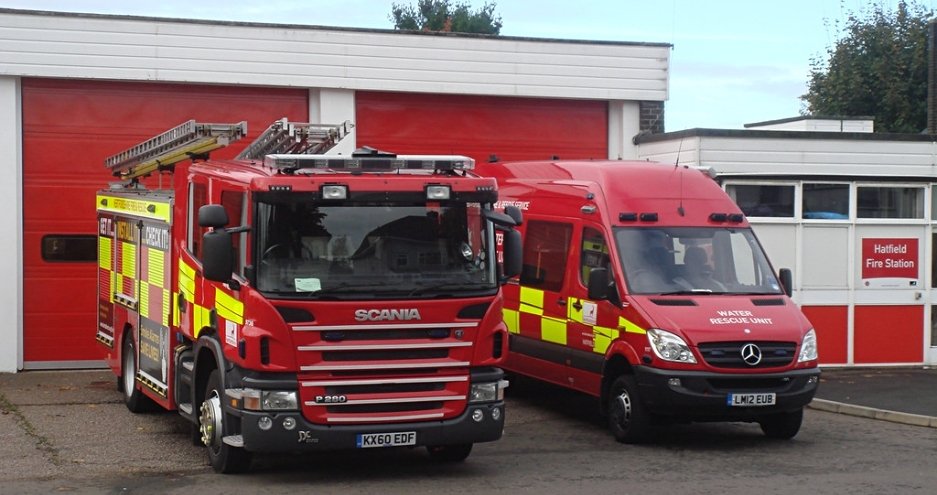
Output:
(134, 399)
(449, 453)
(223, 457)
(627, 418)
(783, 426)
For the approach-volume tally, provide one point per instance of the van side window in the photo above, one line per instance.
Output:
(546, 252)
(594, 253)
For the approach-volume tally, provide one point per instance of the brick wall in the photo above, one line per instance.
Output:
(652, 117)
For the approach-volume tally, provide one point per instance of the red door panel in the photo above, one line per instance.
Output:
(888, 334)
(69, 128)
(832, 326)
(481, 126)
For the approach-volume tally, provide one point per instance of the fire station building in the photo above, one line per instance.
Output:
(851, 212)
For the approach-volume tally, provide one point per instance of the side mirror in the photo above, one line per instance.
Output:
(217, 255)
(598, 284)
(787, 280)
(515, 214)
(213, 216)
(513, 253)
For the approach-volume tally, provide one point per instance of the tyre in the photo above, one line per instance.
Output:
(628, 421)
(449, 453)
(134, 399)
(783, 426)
(224, 458)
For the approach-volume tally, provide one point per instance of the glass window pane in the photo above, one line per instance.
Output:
(73, 248)
(763, 200)
(890, 202)
(546, 252)
(826, 201)
(594, 253)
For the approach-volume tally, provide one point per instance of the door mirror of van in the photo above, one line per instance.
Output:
(213, 216)
(501, 220)
(598, 284)
(787, 280)
(217, 255)
(513, 253)
(515, 213)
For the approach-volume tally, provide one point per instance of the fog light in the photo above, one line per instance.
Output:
(265, 423)
(478, 415)
(812, 380)
(496, 413)
(289, 423)
(674, 382)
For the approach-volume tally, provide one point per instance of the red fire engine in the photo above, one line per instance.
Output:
(292, 300)
(643, 285)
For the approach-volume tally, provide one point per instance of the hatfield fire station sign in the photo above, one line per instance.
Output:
(890, 263)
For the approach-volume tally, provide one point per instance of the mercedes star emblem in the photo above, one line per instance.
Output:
(751, 354)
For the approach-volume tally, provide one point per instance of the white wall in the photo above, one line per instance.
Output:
(335, 106)
(624, 122)
(11, 224)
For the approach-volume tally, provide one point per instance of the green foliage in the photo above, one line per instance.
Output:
(878, 68)
(443, 15)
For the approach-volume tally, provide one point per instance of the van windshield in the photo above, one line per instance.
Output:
(374, 251)
(679, 260)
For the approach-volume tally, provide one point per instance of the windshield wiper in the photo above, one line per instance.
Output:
(445, 285)
(693, 292)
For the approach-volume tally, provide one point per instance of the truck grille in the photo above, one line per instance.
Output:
(729, 354)
(384, 373)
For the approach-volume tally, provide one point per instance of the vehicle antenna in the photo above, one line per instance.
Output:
(676, 165)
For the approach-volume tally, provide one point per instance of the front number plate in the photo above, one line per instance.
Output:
(751, 400)
(371, 440)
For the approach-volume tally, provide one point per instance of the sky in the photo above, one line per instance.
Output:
(733, 62)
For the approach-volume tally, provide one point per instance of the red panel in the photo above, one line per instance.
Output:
(480, 126)
(889, 334)
(832, 326)
(69, 128)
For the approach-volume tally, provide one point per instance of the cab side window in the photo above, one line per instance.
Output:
(233, 203)
(198, 196)
(546, 253)
(594, 253)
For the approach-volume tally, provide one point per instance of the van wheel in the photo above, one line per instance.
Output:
(627, 418)
(449, 453)
(224, 458)
(134, 399)
(782, 426)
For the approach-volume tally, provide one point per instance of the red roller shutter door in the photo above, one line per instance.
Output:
(479, 126)
(69, 127)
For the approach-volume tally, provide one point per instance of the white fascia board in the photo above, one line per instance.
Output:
(118, 47)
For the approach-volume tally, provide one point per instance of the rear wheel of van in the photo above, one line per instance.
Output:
(627, 418)
(449, 453)
(783, 426)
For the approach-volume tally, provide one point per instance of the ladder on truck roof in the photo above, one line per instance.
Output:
(294, 138)
(192, 139)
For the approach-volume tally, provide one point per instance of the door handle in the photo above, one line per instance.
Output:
(577, 306)
(561, 302)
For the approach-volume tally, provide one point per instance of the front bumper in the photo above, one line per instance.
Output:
(702, 396)
(307, 436)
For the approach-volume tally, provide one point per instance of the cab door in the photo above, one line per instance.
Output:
(591, 325)
(540, 347)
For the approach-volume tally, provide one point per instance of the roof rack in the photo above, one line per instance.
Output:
(295, 138)
(175, 145)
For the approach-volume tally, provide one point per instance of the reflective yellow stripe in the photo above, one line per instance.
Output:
(175, 313)
(532, 297)
(553, 330)
(630, 327)
(201, 318)
(105, 251)
(228, 307)
(164, 320)
(572, 313)
(144, 306)
(136, 207)
(187, 281)
(602, 338)
(157, 265)
(510, 319)
(128, 262)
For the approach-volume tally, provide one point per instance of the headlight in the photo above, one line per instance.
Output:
(808, 349)
(266, 400)
(670, 347)
(487, 392)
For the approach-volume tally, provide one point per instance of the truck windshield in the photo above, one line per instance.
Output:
(382, 251)
(681, 260)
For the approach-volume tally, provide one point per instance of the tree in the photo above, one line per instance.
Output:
(878, 68)
(442, 15)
